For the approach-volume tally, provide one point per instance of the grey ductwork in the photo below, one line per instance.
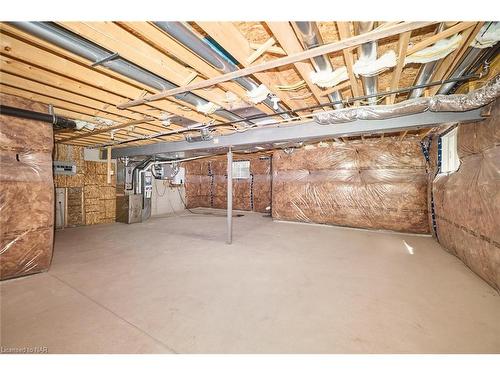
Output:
(426, 71)
(368, 51)
(470, 58)
(309, 33)
(182, 34)
(74, 43)
(437, 103)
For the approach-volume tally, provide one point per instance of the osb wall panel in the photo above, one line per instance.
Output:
(206, 184)
(377, 184)
(73, 183)
(99, 196)
(26, 192)
(467, 202)
(71, 154)
(75, 215)
(91, 200)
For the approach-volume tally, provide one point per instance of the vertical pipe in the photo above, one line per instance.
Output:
(229, 196)
(109, 165)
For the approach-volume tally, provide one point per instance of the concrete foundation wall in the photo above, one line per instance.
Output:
(167, 199)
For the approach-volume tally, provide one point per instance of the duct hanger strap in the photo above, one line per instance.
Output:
(106, 59)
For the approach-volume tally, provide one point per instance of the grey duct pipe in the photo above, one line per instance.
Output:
(311, 38)
(74, 43)
(368, 51)
(60, 122)
(426, 71)
(471, 57)
(182, 34)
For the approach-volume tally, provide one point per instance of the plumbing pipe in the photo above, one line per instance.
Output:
(60, 122)
(82, 47)
(311, 38)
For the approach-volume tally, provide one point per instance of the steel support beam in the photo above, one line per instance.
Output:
(308, 131)
(229, 196)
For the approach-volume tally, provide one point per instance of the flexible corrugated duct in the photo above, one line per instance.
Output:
(82, 47)
(368, 51)
(438, 103)
(186, 37)
(310, 36)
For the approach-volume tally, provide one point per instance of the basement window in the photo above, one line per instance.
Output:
(449, 154)
(241, 169)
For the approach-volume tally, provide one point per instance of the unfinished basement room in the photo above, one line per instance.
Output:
(270, 187)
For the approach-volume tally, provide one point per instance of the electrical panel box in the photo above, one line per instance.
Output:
(128, 178)
(64, 167)
(148, 184)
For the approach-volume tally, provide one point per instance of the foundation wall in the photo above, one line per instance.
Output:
(467, 202)
(206, 182)
(371, 183)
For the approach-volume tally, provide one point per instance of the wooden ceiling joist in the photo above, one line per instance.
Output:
(285, 35)
(270, 52)
(449, 62)
(404, 39)
(99, 107)
(231, 39)
(116, 39)
(70, 66)
(439, 36)
(167, 45)
(59, 105)
(325, 49)
(345, 33)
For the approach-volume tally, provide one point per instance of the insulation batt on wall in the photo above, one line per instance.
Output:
(206, 184)
(26, 192)
(372, 183)
(467, 202)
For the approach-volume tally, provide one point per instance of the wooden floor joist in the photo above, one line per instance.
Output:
(70, 66)
(116, 39)
(231, 39)
(285, 35)
(345, 33)
(161, 41)
(404, 39)
(287, 60)
(268, 52)
(439, 36)
(449, 62)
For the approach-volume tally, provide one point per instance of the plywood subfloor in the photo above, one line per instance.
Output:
(172, 285)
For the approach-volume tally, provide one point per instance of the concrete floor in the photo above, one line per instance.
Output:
(172, 285)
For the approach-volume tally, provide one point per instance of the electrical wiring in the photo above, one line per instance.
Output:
(308, 108)
(292, 87)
